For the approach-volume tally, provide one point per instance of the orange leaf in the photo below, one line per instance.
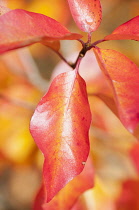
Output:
(60, 127)
(55, 45)
(108, 100)
(86, 13)
(20, 28)
(123, 76)
(66, 198)
(128, 30)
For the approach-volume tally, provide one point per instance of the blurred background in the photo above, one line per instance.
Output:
(25, 75)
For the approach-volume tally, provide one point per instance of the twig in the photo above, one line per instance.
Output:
(31, 70)
(17, 102)
(64, 59)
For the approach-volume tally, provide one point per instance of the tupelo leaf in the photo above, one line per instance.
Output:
(20, 28)
(108, 100)
(128, 30)
(65, 199)
(3, 10)
(86, 13)
(123, 76)
(60, 128)
(134, 155)
(128, 198)
(55, 45)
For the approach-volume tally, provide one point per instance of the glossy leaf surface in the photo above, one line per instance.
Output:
(60, 127)
(66, 198)
(128, 30)
(86, 13)
(3, 10)
(20, 28)
(123, 76)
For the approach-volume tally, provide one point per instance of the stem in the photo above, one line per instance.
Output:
(82, 42)
(85, 47)
(61, 56)
(17, 102)
(31, 70)
(80, 56)
(78, 63)
(95, 43)
(89, 38)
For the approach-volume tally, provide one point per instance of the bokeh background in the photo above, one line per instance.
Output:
(25, 75)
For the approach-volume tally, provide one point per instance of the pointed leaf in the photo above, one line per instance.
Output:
(123, 76)
(20, 28)
(66, 198)
(86, 13)
(60, 127)
(128, 30)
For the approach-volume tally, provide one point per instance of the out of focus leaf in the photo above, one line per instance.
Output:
(128, 30)
(57, 10)
(134, 154)
(65, 199)
(108, 100)
(60, 127)
(16, 143)
(20, 28)
(129, 197)
(86, 13)
(123, 76)
(40, 198)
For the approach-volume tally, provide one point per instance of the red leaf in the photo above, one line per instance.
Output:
(86, 13)
(40, 199)
(129, 198)
(60, 127)
(134, 154)
(20, 28)
(128, 30)
(123, 76)
(66, 198)
(3, 10)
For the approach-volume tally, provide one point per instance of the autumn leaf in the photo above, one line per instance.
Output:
(60, 127)
(57, 10)
(128, 30)
(128, 198)
(65, 199)
(134, 154)
(123, 76)
(86, 13)
(3, 9)
(20, 28)
(17, 101)
(108, 100)
(40, 198)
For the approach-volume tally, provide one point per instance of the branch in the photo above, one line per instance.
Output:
(17, 102)
(31, 70)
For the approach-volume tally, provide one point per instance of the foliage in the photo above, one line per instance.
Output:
(69, 110)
